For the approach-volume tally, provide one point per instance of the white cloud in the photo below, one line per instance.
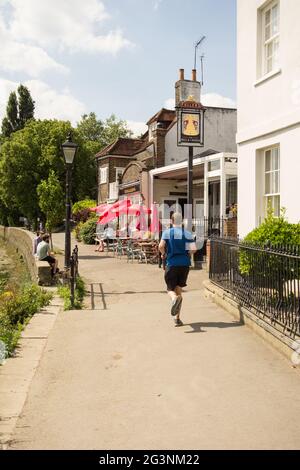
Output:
(137, 128)
(207, 99)
(170, 103)
(17, 56)
(50, 103)
(216, 100)
(72, 25)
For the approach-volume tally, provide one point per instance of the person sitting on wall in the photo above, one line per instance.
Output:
(44, 254)
(36, 241)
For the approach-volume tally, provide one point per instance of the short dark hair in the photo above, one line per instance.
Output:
(46, 237)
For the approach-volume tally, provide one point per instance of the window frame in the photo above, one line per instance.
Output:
(271, 171)
(273, 39)
(119, 169)
(103, 170)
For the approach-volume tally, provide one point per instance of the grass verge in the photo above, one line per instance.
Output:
(80, 292)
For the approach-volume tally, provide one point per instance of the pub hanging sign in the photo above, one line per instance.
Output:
(190, 124)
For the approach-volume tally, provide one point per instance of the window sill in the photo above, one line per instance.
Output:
(267, 77)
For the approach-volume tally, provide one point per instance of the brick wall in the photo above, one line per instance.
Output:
(116, 163)
(230, 228)
(159, 137)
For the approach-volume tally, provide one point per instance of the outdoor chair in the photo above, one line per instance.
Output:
(132, 251)
(119, 249)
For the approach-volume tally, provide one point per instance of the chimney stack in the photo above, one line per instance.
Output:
(185, 88)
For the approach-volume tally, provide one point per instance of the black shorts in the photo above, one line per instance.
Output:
(50, 259)
(176, 276)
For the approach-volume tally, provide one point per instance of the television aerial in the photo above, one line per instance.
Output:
(197, 45)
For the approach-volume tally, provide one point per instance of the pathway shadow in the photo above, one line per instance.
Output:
(197, 327)
(87, 257)
(129, 292)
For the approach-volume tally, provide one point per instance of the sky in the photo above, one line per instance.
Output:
(114, 56)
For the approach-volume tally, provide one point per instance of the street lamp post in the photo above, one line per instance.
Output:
(69, 150)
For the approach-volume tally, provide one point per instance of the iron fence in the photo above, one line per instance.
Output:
(73, 273)
(209, 226)
(265, 280)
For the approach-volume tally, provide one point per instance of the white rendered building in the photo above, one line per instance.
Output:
(268, 110)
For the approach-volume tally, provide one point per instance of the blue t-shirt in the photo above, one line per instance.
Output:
(177, 241)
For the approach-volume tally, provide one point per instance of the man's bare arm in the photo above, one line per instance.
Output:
(162, 247)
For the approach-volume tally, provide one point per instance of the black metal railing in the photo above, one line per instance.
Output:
(73, 273)
(209, 226)
(266, 280)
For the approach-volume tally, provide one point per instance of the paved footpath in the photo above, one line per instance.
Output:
(122, 377)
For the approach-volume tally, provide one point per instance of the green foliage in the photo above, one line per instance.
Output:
(81, 210)
(272, 232)
(113, 129)
(19, 110)
(275, 230)
(85, 204)
(27, 158)
(90, 127)
(26, 106)
(29, 155)
(80, 292)
(77, 231)
(88, 230)
(4, 276)
(51, 200)
(12, 111)
(16, 308)
(6, 127)
(100, 132)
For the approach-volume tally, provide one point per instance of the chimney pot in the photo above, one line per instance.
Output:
(194, 75)
(181, 74)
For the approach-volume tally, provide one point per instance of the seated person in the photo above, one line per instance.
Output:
(36, 241)
(44, 254)
(100, 237)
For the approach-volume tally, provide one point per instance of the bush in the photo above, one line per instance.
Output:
(16, 309)
(80, 210)
(77, 231)
(273, 232)
(88, 230)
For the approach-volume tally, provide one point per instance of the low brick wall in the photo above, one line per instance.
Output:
(22, 240)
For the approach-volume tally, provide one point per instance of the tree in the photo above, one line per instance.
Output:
(51, 201)
(26, 105)
(99, 134)
(28, 157)
(19, 110)
(11, 122)
(6, 128)
(90, 128)
(113, 129)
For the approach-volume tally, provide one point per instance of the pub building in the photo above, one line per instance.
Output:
(153, 168)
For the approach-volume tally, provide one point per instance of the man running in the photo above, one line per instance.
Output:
(177, 245)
